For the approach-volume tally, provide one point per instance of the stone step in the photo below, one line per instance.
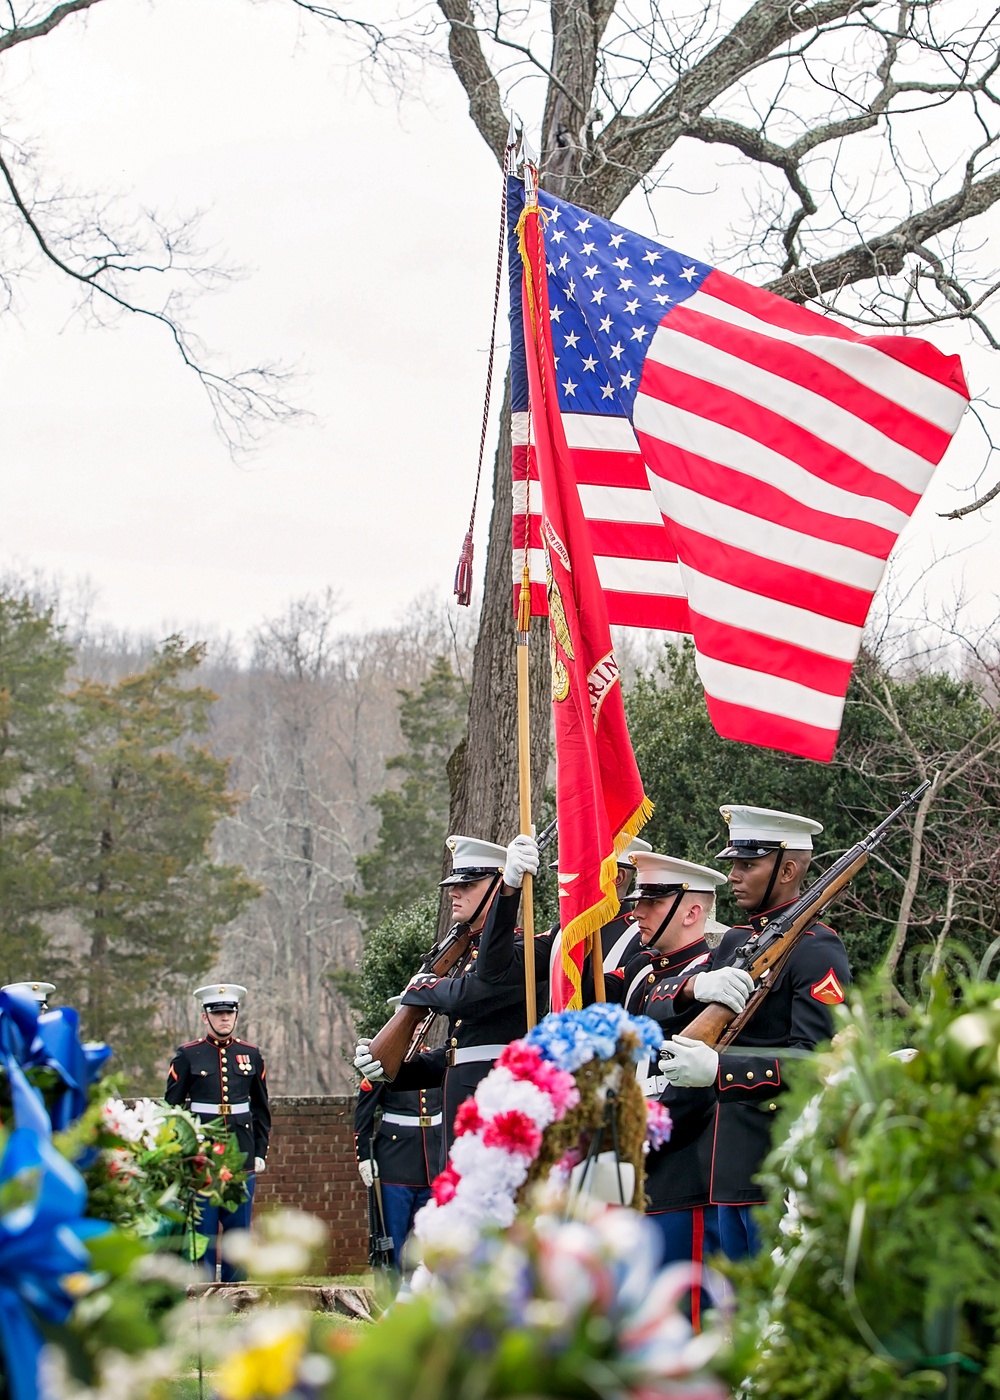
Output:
(339, 1298)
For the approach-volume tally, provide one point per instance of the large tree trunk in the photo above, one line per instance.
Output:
(483, 769)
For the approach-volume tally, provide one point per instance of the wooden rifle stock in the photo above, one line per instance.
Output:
(398, 1039)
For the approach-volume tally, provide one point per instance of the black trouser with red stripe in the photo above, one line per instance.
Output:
(690, 1237)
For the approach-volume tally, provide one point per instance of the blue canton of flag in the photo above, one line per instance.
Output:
(608, 291)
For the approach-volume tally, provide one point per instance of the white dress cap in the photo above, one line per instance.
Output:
(637, 846)
(472, 859)
(658, 875)
(38, 991)
(221, 993)
(753, 831)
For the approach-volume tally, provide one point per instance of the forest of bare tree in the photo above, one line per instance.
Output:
(296, 738)
(307, 719)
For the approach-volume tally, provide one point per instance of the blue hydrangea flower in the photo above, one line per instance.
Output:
(570, 1039)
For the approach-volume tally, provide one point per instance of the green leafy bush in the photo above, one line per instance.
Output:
(881, 1275)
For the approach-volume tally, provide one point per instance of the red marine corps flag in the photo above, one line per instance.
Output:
(600, 803)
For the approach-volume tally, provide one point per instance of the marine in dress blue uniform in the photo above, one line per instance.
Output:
(484, 999)
(673, 902)
(221, 1076)
(397, 1141)
(770, 852)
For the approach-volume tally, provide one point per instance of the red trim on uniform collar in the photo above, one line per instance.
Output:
(219, 1042)
(684, 946)
(759, 922)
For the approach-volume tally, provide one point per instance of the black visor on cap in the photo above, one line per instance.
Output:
(221, 1006)
(651, 892)
(470, 874)
(749, 850)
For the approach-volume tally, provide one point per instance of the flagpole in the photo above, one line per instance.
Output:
(597, 964)
(529, 158)
(524, 784)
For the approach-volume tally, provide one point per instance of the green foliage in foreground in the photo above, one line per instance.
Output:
(881, 1278)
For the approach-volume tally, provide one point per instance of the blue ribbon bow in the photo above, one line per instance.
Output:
(50, 1040)
(42, 1252)
(42, 1196)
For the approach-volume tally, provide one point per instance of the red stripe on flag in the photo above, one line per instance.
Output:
(770, 578)
(771, 731)
(617, 539)
(742, 415)
(798, 366)
(625, 540)
(655, 610)
(595, 468)
(767, 307)
(921, 356)
(742, 492)
(741, 647)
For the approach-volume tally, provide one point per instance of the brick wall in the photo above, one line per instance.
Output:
(311, 1166)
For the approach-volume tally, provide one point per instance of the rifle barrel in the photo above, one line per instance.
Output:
(814, 894)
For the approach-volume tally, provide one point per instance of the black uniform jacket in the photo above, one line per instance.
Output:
(676, 1174)
(226, 1076)
(794, 1018)
(484, 1002)
(619, 944)
(401, 1129)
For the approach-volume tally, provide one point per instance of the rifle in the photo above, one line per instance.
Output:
(397, 1041)
(766, 954)
(381, 1251)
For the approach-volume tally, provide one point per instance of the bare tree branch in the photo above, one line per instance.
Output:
(19, 34)
(475, 75)
(243, 401)
(633, 145)
(977, 504)
(884, 254)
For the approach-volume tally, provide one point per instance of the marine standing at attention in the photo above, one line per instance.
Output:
(770, 853)
(219, 1076)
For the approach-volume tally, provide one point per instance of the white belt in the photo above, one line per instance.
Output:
(229, 1110)
(470, 1054)
(413, 1120)
(652, 1086)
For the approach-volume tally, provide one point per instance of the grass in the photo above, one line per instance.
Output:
(363, 1280)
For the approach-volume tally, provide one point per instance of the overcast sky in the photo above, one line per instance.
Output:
(369, 235)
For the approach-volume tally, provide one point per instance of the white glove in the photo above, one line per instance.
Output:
(366, 1066)
(393, 1002)
(368, 1171)
(522, 859)
(729, 986)
(259, 1165)
(688, 1064)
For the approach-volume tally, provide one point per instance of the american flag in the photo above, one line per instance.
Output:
(745, 465)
